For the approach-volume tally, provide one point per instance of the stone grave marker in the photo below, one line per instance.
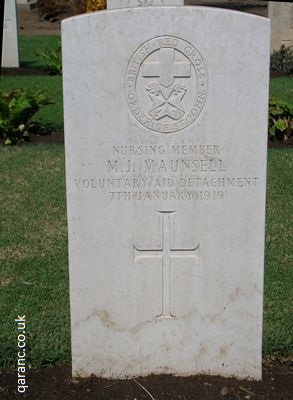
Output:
(166, 135)
(281, 15)
(10, 54)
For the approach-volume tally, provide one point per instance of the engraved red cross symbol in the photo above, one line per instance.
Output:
(167, 69)
(166, 254)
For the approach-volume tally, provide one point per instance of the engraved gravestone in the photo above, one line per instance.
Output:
(10, 54)
(166, 129)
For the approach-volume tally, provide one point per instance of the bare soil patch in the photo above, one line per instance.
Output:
(31, 24)
(56, 384)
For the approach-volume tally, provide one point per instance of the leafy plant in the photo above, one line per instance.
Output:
(52, 59)
(17, 109)
(282, 60)
(280, 119)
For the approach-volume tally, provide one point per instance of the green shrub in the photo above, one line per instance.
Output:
(280, 119)
(282, 60)
(52, 59)
(17, 109)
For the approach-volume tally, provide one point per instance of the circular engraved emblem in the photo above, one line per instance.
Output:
(166, 84)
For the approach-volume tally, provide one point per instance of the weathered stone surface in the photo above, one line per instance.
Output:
(10, 54)
(26, 4)
(281, 15)
(166, 134)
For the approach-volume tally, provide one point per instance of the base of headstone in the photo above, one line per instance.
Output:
(26, 4)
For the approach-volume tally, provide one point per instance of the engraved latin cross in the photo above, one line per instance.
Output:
(166, 254)
(167, 69)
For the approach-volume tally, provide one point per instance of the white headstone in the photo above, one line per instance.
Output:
(113, 4)
(166, 136)
(10, 54)
(281, 15)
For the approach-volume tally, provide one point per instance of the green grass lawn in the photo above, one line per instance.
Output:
(282, 88)
(33, 253)
(29, 45)
(278, 315)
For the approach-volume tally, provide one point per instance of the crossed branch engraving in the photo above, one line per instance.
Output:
(166, 101)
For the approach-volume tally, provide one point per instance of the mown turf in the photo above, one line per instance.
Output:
(34, 265)
(30, 45)
(278, 316)
(33, 254)
(282, 88)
